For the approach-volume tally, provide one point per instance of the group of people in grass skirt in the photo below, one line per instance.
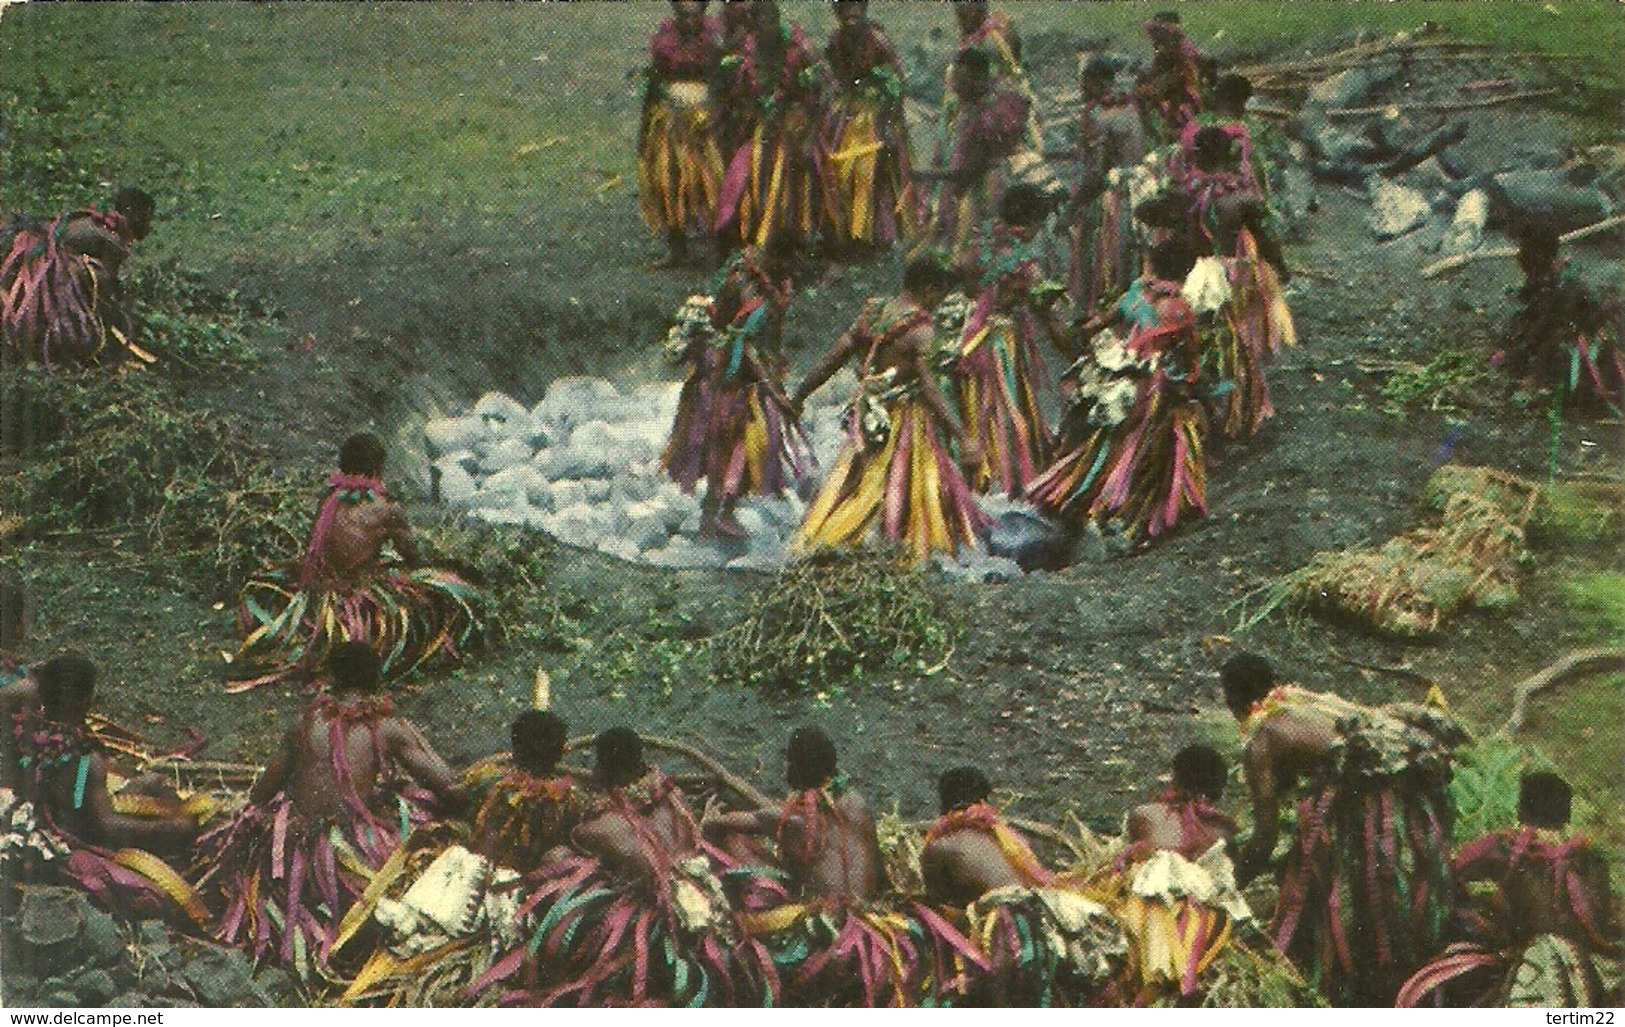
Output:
(953, 381)
(751, 137)
(364, 863)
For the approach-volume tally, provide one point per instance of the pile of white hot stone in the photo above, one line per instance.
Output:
(583, 465)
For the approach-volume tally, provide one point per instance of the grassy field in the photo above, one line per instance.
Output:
(279, 131)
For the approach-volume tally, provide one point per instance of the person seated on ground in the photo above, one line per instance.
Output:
(970, 850)
(989, 130)
(348, 780)
(65, 772)
(73, 819)
(1366, 887)
(896, 471)
(642, 824)
(649, 923)
(531, 807)
(1186, 818)
(347, 590)
(824, 830)
(1536, 914)
(833, 942)
(59, 282)
(1563, 335)
(1045, 942)
(19, 692)
(1176, 891)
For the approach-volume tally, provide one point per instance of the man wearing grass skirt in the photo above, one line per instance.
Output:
(346, 589)
(1366, 886)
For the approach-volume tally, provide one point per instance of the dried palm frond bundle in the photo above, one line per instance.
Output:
(1247, 977)
(1412, 583)
(901, 844)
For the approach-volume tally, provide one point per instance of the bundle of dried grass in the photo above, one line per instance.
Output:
(1411, 584)
(1244, 977)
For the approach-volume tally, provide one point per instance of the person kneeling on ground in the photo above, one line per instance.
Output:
(1048, 944)
(530, 808)
(1177, 890)
(59, 297)
(1541, 931)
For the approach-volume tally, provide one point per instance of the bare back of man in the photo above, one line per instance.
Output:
(307, 770)
(356, 540)
(962, 866)
(83, 808)
(1158, 827)
(640, 846)
(1536, 907)
(1289, 746)
(838, 853)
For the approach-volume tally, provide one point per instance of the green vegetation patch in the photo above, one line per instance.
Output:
(1578, 513)
(1449, 381)
(193, 330)
(834, 618)
(1597, 601)
(508, 563)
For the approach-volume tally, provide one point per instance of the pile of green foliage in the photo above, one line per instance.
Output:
(833, 618)
(1455, 378)
(122, 454)
(508, 563)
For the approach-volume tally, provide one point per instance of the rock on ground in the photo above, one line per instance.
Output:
(584, 466)
(1396, 209)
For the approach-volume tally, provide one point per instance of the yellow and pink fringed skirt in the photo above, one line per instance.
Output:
(679, 165)
(875, 201)
(910, 488)
(993, 383)
(1254, 327)
(1147, 474)
(775, 188)
(408, 617)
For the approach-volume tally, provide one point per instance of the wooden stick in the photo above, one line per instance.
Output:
(1420, 58)
(733, 781)
(1578, 663)
(1440, 105)
(224, 772)
(1438, 267)
(1364, 51)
